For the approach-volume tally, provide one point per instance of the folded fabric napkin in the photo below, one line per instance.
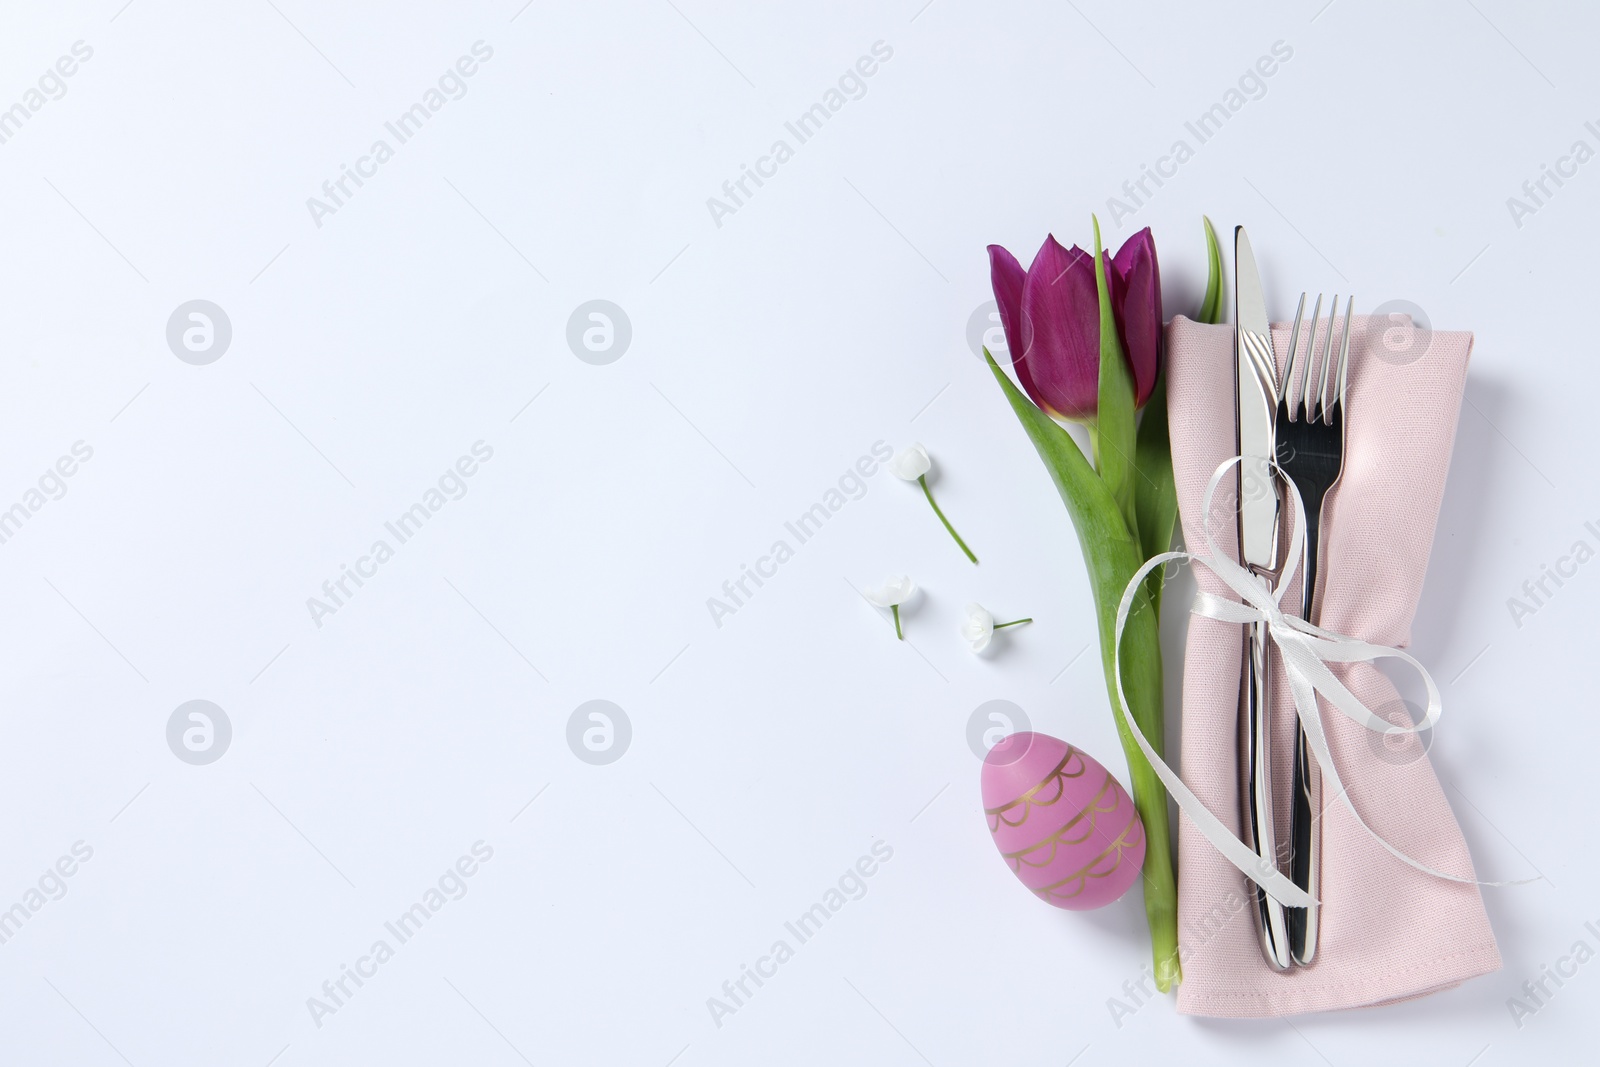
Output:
(1388, 932)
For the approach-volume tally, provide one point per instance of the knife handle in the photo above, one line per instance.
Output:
(1255, 718)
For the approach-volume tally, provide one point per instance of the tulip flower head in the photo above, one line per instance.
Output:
(979, 626)
(895, 590)
(912, 464)
(1051, 316)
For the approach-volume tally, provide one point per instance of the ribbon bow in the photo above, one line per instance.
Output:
(1306, 651)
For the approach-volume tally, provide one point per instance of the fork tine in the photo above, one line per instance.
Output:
(1261, 367)
(1311, 359)
(1288, 366)
(1265, 378)
(1327, 370)
(1268, 374)
(1344, 356)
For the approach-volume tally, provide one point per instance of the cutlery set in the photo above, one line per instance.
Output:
(1299, 424)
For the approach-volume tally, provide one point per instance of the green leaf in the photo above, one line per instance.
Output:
(1155, 492)
(1114, 416)
(1155, 495)
(1094, 511)
(1112, 556)
(1211, 306)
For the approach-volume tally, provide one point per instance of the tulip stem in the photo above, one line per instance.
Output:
(1003, 625)
(895, 610)
(923, 481)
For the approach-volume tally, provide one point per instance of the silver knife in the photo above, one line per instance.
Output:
(1255, 371)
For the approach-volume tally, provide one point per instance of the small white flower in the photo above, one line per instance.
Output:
(895, 590)
(978, 627)
(911, 463)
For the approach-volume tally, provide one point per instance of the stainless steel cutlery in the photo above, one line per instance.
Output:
(1255, 374)
(1310, 438)
(1300, 424)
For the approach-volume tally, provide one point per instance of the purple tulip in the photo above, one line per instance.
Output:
(1051, 316)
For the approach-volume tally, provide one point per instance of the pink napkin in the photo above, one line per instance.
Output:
(1388, 931)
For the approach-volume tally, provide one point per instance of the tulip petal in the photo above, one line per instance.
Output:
(1006, 277)
(1009, 280)
(1061, 331)
(1138, 310)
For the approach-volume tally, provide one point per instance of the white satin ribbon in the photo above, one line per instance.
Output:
(1306, 651)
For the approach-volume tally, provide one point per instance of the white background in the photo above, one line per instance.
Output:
(768, 354)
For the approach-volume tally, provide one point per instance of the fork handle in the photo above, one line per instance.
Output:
(1305, 813)
(1305, 849)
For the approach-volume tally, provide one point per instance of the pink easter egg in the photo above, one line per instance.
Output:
(1063, 824)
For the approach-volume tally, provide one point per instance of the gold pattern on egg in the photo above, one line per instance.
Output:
(1102, 866)
(1047, 792)
(1081, 827)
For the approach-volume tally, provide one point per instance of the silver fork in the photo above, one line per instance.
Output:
(1311, 454)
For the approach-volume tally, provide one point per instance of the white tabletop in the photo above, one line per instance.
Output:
(420, 319)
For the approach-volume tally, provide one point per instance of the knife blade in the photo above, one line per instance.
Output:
(1255, 373)
(1255, 368)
